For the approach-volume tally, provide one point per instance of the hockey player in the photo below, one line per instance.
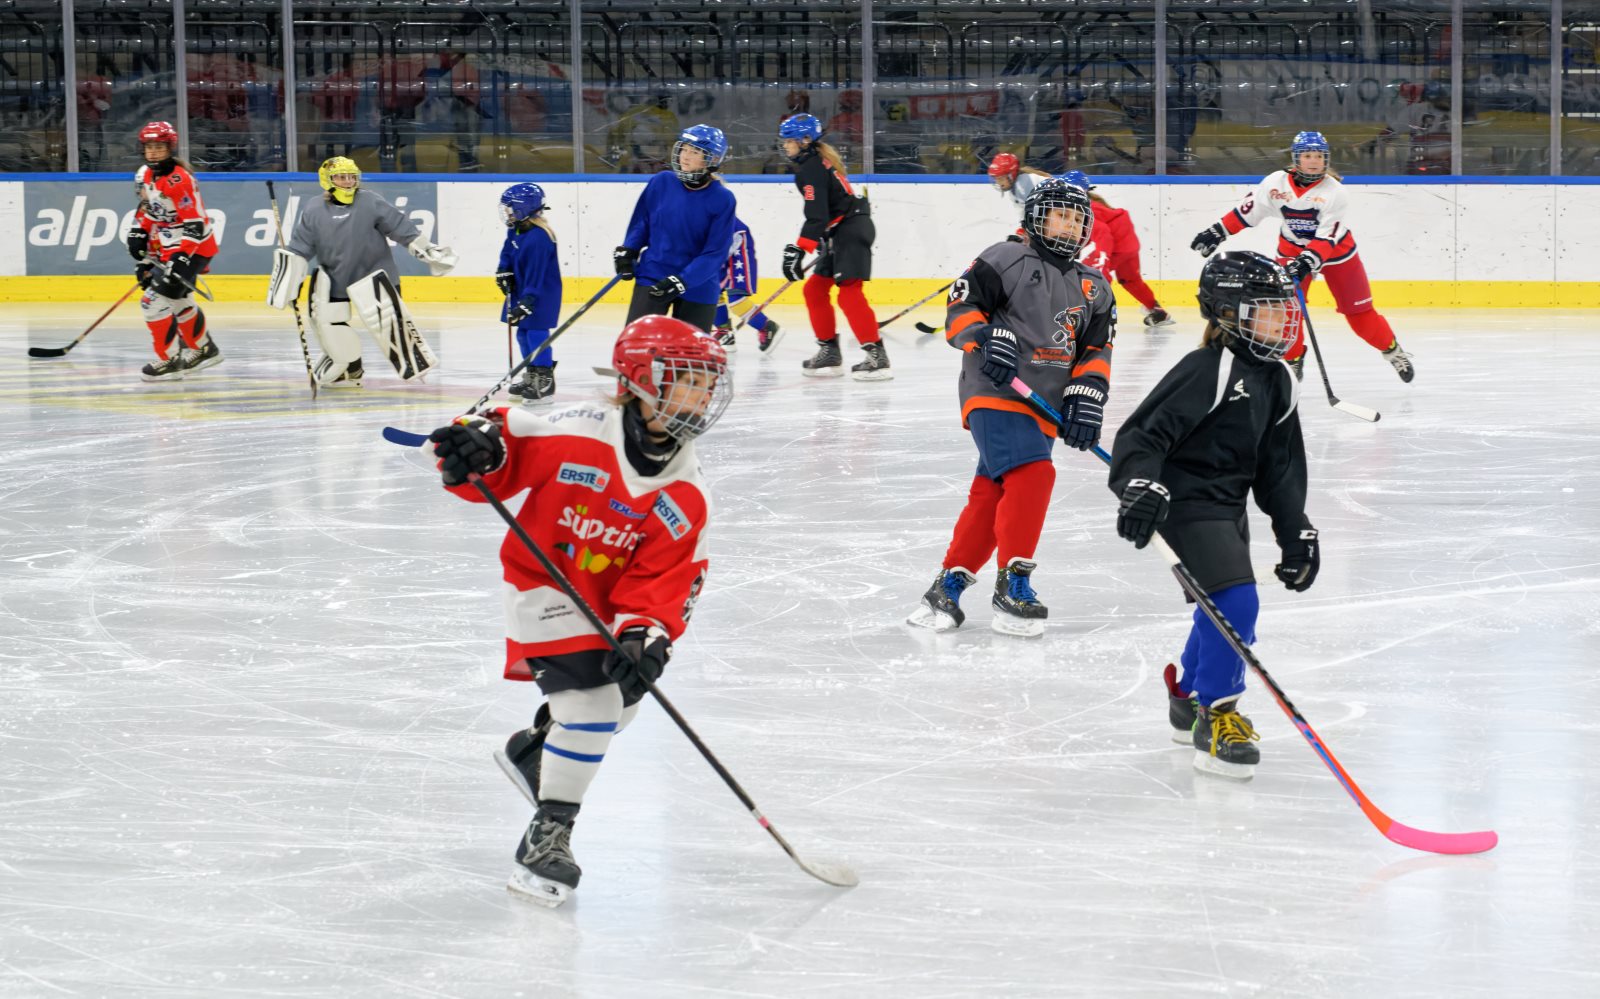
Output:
(617, 500)
(678, 238)
(1023, 308)
(1123, 255)
(529, 276)
(1010, 177)
(347, 232)
(1313, 240)
(1221, 424)
(838, 228)
(172, 244)
(738, 283)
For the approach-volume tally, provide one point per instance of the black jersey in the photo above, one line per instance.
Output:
(1217, 426)
(829, 198)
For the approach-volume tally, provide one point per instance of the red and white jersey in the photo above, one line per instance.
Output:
(633, 546)
(1102, 245)
(171, 211)
(1312, 217)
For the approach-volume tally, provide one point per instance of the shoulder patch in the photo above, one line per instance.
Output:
(574, 474)
(1090, 290)
(671, 515)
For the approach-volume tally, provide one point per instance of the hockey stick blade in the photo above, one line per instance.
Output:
(1359, 412)
(925, 328)
(47, 351)
(404, 438)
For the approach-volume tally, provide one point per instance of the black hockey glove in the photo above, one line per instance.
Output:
(793, 258)
(470, 444)
(1304, 265)
(177, 280)
(138, 243)
(1208, 241)
(145, 274)
(506, 281)
(668, 288)
(648, 649)
(999, 355)
(1144, 507)
(1082, 410)
(519, 311)
(1302, 557)
(624, 257)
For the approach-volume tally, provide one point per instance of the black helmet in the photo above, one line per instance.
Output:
(1057, 194)
(1236, 288)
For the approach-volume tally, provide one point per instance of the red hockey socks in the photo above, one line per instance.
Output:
(163, 334)
(857, 312)
(973, 541)
(1019, 518)
(819, 306)
(1373, 328)
(192, 325)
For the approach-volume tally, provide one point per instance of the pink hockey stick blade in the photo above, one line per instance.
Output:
(1435, 842)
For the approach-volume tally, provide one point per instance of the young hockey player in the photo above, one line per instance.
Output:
(1222, 424)
(617, 501)
(838, 228)
(738, 283)
(1011, 178)
(529, 277)
(172, 244)
(1023, 308)
(1123, 262)
(677, 241)
(347, 232)
(1313, 240)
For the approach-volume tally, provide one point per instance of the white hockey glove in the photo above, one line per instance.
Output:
(288, 272)
(440, 259)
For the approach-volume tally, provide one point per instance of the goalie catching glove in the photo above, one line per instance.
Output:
(440, 259)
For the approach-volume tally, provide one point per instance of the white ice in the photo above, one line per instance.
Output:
(250, 684)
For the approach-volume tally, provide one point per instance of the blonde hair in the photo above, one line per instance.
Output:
(1095, 197)
(541, 223)
(831, 157)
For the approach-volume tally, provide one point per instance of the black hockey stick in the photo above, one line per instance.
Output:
(406, 438)
(925, 328)
(1397, 832)
(62, 351)
(1359, 412)
(294, 303)
(919, 303)
(833, 874)
(772, 297)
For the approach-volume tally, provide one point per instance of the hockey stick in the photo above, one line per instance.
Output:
(772, 297)
(405, 438)
(919, 303)
(61, 351)
(1396, 832)
(1359, 412)
(833, 874)
(925, 328)
(294, 303)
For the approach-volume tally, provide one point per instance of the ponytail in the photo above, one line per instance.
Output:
(541, 223)
(831, 157)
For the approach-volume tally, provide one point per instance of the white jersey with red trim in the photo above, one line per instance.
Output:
(1312, 218)
(633, 546)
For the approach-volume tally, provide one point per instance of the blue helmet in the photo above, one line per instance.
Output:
(521, 202)
(1077, 178)
(801, 127)
(708, 140)
(1308, 142)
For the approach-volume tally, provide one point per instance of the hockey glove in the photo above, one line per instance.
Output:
(1082, 410)
(138, 243)
(440, 259)
(1208, 241)
(999, 355)
(1144, 507)
(470, 444)
(1302, 557)
(177, 280)
(519, 311)
(668, 288)
(648, 649)
(1303, 266)
(145, 274)
(506, 281)
(793, 258)
(623, 258)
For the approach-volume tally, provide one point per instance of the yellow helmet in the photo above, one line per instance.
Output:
(336, 165)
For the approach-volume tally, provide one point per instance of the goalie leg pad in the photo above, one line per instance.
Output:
(330, 320)
(376, 300)
(288, 273)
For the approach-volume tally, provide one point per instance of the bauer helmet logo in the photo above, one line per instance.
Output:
(583, 475)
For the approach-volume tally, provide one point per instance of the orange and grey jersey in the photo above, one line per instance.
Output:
(1062, 313)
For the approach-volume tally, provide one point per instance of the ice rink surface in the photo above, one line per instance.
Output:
(249, 688)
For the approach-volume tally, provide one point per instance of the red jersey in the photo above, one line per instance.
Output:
(633, 546)
(171, 211)
(1102, 245)
(1121, 226)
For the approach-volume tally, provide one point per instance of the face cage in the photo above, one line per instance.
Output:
(1068, 248)
(692, 177)
(684, 423)
(509, 216)
(1267, 340)
(1327, 164)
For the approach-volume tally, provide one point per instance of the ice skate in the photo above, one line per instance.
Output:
(538, 386)
(1224, 741)
(768, 338)
(1181, 708)
(1017, 611)
(827, 362)
(520, 758)
(170, 370)
(1158, 318)
(207, 356)
(1400, 361)
(724, 335)
(940, 609)
(347, 377)
(875, 367)
(546, 872)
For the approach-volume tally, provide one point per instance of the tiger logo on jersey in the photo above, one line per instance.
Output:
(1089, 290)
(1067, 322)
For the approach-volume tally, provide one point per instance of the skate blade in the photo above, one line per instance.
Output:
(160, 378)
(1208, 764)
(872, 376)
(540, 891)
(926, 617)
(773, 342)
(1018, 627)
(207, 364)
(1183, 737)
(539, 403)
(514, 775)
(833, 372)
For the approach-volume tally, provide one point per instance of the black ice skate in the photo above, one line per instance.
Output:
(1158, 317)
(828, 362)
(546, 872)
(724, 335)
(1017, 611)
(875, 368)
(1400, 361)
(1181, 708)
(538, 386)
(941, 608)
(207, 356)
(1224, 741)
(768, 338)
(519, 761)
(170, 370)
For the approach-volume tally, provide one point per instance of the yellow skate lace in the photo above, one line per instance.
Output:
(1230, 727)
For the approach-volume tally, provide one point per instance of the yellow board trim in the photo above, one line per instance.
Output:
(887, 292)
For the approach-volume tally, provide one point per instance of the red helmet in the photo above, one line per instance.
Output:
(655, 353)
(159, 131)
(1005, 165)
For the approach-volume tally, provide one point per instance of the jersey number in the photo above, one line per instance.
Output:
(958, 290)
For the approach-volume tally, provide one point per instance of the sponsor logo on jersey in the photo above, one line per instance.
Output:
(1051, 357)
(576, 413)
(1089, 290)
(583, 475)
(1067, 322)
(625, 510)
(594, 530)
(672, 516)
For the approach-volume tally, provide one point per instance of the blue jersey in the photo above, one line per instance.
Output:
(739, 277)
(684, 233)
(531, 257)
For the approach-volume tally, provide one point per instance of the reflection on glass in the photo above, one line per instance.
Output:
(33, 116)
(1506, 82)
(1580, 88)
